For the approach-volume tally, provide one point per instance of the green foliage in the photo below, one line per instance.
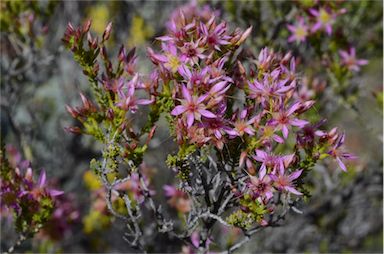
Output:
(245, 220)
(18, 18)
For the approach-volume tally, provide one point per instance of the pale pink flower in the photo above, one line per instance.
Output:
(348, 59)
(192, 106)
(299, 31)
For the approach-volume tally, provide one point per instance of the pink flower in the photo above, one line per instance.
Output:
(174, 59)
(242, 125)
(195, 78)
(270, 86)
(299, 31)
(284, 119)
(268, 161)
(306, 136)
(336, 153)
(349, 60)
(283, 182)
(193, 107)
(325, 19)
(215, 35)
(192, 52)
(268, 135)
(261, 187)
(265, 59)
(127, 99)
(273, 162)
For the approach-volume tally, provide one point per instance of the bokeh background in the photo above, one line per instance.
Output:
(345, 211)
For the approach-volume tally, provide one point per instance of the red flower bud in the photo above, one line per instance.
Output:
(74, 113)
(87, 26)
(107, 31)
(73, 129)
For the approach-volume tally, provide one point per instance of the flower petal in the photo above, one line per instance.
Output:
(206, 113)
(190, 119)
(295, 175)
(293, 190)
(178, 110)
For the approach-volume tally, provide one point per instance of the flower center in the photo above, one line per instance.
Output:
(212, 40)
(173, 63)
(324, 17)
(191, 52)
(301, 32)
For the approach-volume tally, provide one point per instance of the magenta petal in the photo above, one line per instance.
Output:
(314, 12)
(217, 134)
(316, 27)
(320, 133)
(285, 131)
(293, 190)
(218, 87)
(186, 94)
(269, 195)
(298, 122)
(341, 164)
(281, 167)
(352, 51)
(55, 193)
(291, 38)
(169, 190)
(349, 156)
(190, 119)
(278, 139)
(295, 175)
(201, 98)
(206, 113)
(273, 177)
(178, 110)
(164, 38)
(42, 178)
(144, 102)
(344, 54)
(231, 132)
(328, 29)
(262, 172)
(291, 28)
(195, 239)
(293, 108)
(261, 155)
(249, 131)
(362, 62)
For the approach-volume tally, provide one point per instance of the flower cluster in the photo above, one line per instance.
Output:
(349, 60)
(193, 58)
(219, 103)
(321, 17)
(31, 202)
(317, 19)
(239, 121)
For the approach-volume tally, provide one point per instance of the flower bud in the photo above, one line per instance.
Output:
(74, 113)
(87, 26)
(244, 36)
(150, 134)
(87, 104)
(74, 130)
(122, 54)
(107, 31)
(110, 114)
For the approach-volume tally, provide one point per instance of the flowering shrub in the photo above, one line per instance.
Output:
(35, 207)
(245, 144)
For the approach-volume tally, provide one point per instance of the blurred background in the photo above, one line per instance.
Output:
(39, 77)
